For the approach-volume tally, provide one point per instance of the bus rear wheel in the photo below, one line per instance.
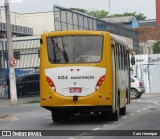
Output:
(123, 111)
(56, 116)
(115, 115)
(106, 116)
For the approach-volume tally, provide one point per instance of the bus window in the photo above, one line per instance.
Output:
(75, 49)
(122, 56)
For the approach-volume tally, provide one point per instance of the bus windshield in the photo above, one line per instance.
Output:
(75, 49)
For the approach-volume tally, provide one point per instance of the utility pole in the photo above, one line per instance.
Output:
(12, 81)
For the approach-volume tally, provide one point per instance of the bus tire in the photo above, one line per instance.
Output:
(123, 111)
(115, 115)
(106, 116)
(66, 117)
(56, 116)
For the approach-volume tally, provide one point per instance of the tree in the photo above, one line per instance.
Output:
(99, 14)
(156, 47)
(139, 16)
(96, 13)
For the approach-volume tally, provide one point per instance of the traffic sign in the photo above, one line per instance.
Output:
(13, 62)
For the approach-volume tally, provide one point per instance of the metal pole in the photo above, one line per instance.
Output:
(12, 83)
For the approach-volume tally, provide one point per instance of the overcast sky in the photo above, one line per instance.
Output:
(147, 7)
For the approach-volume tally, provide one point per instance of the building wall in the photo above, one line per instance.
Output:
(135, 23)
(146, 47)
(147, 37)
(148, 33)
(15, 17)
(28, 48)
(40, 22)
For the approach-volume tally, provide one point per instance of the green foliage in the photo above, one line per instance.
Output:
(139, 16)
(99, 14)
(156, 47)
(104, 14)
(96, 13)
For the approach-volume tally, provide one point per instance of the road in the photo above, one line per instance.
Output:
(142, 114)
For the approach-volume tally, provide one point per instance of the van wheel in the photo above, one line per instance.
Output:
(134, 93)
(56, 116)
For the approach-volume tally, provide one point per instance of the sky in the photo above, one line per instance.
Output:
(147, 7)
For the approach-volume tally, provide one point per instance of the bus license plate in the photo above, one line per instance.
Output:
(75, 90)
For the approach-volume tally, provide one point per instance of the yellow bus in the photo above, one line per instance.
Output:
(84, 72)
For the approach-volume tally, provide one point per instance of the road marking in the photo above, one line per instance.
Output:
(96, 128)
(139, 111)
(156, 102)
(132, 113)
(48, 117)
(124, 117)
(144, 108)
(149, 101)
(105, 125)
(50, 121)
(83, 134)
(71, 138)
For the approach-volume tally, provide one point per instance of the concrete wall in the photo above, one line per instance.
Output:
(40, 22)
(146, 47)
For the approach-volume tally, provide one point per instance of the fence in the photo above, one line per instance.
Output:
(147, 68)
(26, 51)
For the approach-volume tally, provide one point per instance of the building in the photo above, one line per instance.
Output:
(149, 32)
(38, 23)
(147, 23)
(26, 49)
(127, 21)
(147, 37)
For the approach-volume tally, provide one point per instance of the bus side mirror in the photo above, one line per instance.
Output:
(133, 60)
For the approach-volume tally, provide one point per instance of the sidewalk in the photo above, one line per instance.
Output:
(20, 100)
(26, 100)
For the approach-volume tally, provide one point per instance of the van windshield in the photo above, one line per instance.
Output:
(75, 49)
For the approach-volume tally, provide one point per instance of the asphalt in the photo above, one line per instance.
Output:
(26, 100)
